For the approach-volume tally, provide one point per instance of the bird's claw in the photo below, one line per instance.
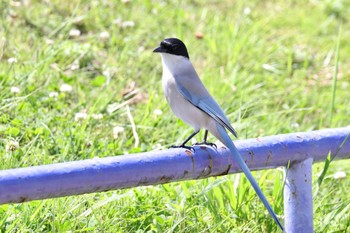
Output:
(183, 146)
(206, 143)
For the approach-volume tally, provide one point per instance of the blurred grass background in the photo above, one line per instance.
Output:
(75, 76)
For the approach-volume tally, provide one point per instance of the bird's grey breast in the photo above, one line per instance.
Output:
(169, 88)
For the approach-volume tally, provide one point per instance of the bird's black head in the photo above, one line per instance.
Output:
(172, 46)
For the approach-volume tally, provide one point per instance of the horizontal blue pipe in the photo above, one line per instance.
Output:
(157, 167)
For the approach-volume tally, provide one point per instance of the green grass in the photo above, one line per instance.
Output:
(274, 67)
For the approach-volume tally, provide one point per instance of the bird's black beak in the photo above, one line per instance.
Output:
(159, 50)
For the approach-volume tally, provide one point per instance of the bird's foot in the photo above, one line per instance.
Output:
(205, 143)
(183, 146)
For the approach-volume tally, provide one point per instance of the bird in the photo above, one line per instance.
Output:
(190, 101)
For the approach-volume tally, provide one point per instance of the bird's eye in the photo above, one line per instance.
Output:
(167, 45)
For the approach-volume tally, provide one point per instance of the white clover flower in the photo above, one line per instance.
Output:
(15, 3)
(117, 130)
(75, 65)
(154, 11)
(104, 36)
(118, 21)
(127, 24)
(80, 116)
(247, 11)
(157, 112)
(12, 60)
(140, 49)
(97, 116)
(49, 41)
(79, 20)
(339, 175)
(53, 94)
(74, 33)
(12, 145)
(15, 90)
(66, 88)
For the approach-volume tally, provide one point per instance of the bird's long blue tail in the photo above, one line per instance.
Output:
(228, 142)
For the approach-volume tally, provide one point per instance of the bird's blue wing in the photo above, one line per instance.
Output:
(213, 109)
(208, 105)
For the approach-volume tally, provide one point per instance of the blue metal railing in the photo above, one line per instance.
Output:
(299, 150)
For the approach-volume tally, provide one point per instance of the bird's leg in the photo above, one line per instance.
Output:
(205, 141)
(205, 136)
(183, 145)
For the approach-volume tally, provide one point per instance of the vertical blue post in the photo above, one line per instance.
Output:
(298, 198)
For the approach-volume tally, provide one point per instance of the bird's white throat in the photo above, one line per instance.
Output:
(175, 64)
